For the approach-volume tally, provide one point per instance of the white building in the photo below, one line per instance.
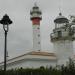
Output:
(62, 38)
(33, 59)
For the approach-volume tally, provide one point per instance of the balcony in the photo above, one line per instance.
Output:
(35, 16)
(65, 36)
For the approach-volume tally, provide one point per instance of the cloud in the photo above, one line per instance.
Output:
(20, 35)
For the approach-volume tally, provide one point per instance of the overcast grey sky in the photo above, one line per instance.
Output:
(20, 36)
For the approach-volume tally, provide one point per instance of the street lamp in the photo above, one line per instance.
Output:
(5, 21)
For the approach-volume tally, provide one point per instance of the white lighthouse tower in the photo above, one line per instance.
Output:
(35, 18)
(62, 38)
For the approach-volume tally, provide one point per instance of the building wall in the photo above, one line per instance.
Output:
(31, 64)
(31, 61)
(36, 38)
(63, 50)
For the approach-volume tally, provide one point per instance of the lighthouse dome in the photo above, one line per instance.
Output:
(61, 19)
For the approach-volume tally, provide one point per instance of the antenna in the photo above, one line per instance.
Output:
(60, 9)
(35, 4)
(60, 6)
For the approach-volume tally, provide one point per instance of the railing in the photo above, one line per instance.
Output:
(55, 37)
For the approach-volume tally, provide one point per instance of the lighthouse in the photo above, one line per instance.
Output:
(62, 38)
(36, 18)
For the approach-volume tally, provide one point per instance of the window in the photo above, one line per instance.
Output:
(38, 35)
(38, 28)
(59, 33)
(38, 42)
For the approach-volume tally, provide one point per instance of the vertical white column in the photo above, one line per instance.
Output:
(64, 50)
(36, 37)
